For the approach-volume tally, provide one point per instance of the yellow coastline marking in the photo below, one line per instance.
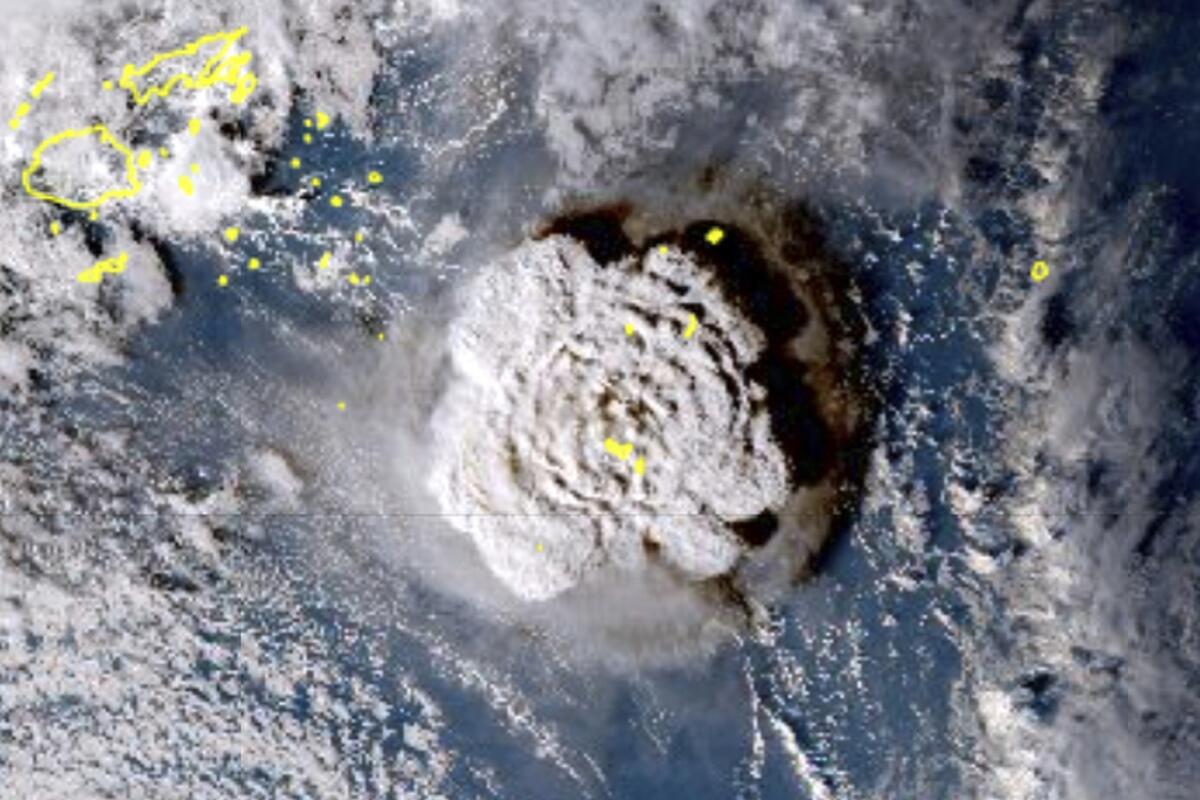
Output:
(145, 159)
(96, 272)
(106, 137)
(629, 329)
(691, 326)
(55, 228)
(186, 186)
(714, 235)
(335, 201)
(1040, 271)
(194, 126)
(24, 108)
(93, 215)
(621, 451)
(326, 257)
(322, 120)
(42, 85)
(21, 111)
(254, 263)
(220, 68)
(231, 234)
(223, 280)
(374, 177)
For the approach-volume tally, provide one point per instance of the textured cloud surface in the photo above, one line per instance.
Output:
(548, 372)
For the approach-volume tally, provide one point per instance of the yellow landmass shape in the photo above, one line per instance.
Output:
(220, 68)
(107, 138)
(691, 326)
(621, 451)
(95, 273)
(42, 85)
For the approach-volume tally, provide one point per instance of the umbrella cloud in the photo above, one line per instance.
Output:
(609, 413)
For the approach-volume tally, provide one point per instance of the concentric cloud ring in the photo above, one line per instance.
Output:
(589, 424)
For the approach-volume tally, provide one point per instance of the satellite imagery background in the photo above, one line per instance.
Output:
(508, 399)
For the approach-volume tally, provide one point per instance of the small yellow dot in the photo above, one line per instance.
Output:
(295, 163)
(195, 168)
(326, 257)
(308, 138)
(322, 120)
(145, 159)
(379, 337)
(316, 182)
(639, 466)
(353, 278)
(107, 85)
(194, 126)
(359, 236)
(223, 280)
(714, 235)
(539, 547)
(308, 123)
(164, 152)
(662, 248)
(1040, 271)
(185, 185)
(254, 263)
(55, 228)
(366, 280)
(231, 234)
(629, 329)
(341, 406)
(374, 177)
(335, 201)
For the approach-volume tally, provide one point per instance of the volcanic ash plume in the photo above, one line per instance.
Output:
(599, 417)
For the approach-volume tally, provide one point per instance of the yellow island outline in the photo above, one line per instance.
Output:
(42, 85)
(220, 68)
(107, 138)
(691, 326)
(623, 452)
(111, 266)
